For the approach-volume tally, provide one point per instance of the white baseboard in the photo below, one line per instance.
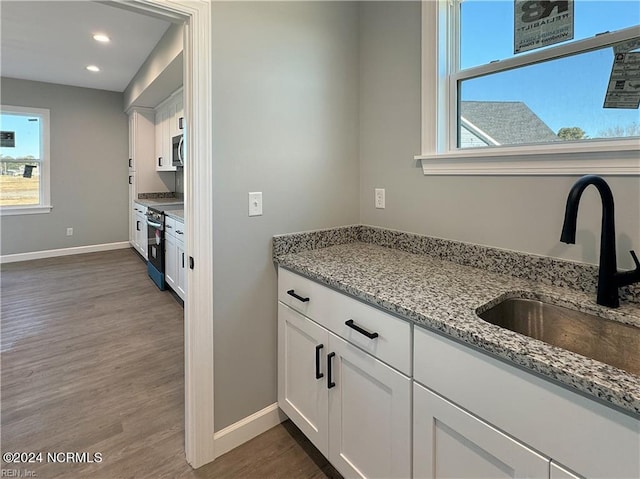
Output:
(51, 253)
(251, 426)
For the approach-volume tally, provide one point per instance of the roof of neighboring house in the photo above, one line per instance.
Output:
(506, 122)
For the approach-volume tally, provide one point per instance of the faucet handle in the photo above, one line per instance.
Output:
(635, 259)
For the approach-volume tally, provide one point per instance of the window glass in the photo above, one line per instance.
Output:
(486, 26)
(556, 100)
(20, 159)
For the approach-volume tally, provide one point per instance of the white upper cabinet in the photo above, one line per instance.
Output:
(167, 122)
(178, 118)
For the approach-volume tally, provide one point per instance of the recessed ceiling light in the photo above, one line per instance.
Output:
(93, 68)
(99, 37)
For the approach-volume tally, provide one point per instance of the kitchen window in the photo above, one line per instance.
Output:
(556, 109)
(24, 160)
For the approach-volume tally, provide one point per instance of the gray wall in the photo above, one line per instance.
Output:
(518, 213)
(285, 122)
(89, 147)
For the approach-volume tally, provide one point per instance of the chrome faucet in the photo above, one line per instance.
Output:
(609, 278)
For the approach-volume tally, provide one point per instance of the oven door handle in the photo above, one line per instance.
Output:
(153, 224)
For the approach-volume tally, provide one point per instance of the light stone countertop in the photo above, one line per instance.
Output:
(175, 214)
(445, 296)
(154, 202)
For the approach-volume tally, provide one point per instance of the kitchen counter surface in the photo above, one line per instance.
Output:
(155, 202)
(175, 214)
(445, 296)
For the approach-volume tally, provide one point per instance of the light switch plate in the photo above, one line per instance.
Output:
(255, 203)
(379, 198)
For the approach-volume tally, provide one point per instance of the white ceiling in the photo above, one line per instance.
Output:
(51, 41)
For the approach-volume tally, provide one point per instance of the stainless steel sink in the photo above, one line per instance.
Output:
(601, 339)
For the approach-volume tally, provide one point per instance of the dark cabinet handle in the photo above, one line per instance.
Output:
(352, 325)
(180, 123)
(159, 161)
(291, 292)
(138, 225)
(130, 162)
(130, 180)
(191, 263)
(330, 383)
(183, 260)
(318, 349)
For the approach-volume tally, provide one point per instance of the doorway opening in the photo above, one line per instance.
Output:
(198, 200)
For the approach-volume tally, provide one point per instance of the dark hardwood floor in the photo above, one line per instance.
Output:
(92, 362)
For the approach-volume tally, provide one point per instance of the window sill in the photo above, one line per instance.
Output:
(24, 210)
(566, 159)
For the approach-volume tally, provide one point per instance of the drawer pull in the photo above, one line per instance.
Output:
(352, 325)
(291, 292)
(330, 383)
(319, 375)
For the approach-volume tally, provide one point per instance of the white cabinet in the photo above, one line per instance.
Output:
(181, 285)
(132, 213)
(139, 218)
(450, 442)
(163, 145)
(488, 411)
(178, 115)
(352, 406)
(170, 259)
(142, 175)
(302, 385)
(345, 374)
(167, 115)
(369, 414)
(174, 257)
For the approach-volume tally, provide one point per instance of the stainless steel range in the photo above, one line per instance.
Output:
(155, 241)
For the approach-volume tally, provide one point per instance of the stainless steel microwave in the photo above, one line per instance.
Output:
(177, 155)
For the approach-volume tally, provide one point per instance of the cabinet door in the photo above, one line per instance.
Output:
(163, 160)
(170, 261)
(161, 115)
(133, 239)
(369, 415)
(302, 386)
(449, 442)
(181, 279)
(132, 165)
(179, 113)
(141, 233)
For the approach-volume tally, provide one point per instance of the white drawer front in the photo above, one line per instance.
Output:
(302, 294)
(331, 309)
(178, 231)
(392, 343)
(169, 226)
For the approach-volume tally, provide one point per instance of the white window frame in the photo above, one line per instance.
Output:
(440, 74)
(44, 164)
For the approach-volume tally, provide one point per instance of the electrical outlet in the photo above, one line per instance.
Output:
(69, 231)
(379, 198)
(255, 203)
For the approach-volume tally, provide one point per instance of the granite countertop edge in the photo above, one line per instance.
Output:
(175, 214)
(452, 308)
